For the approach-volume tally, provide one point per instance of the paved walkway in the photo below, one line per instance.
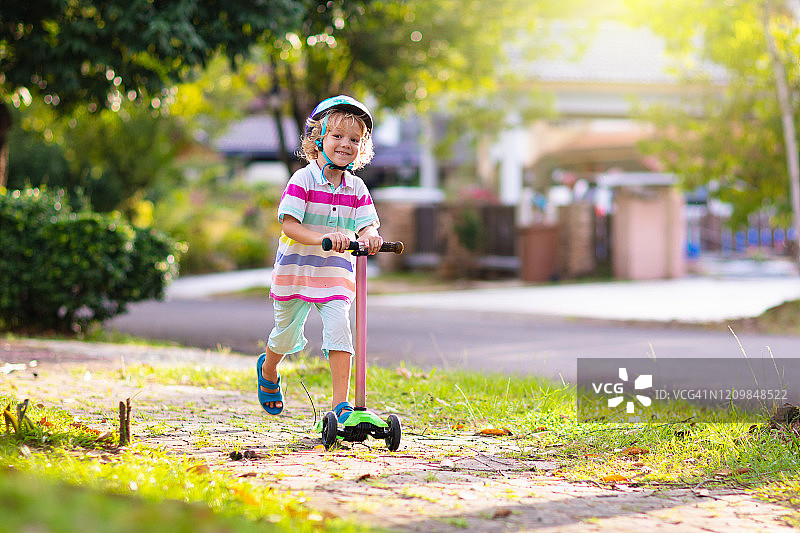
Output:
(442, 482)
(723, 290)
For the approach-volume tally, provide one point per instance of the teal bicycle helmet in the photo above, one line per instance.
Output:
(346, 104)
(339, 103)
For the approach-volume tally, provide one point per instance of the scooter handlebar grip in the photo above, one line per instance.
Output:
(394, 247)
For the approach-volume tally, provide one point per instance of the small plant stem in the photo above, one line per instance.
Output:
(123, 439)
(471, 413)
(125, 422)
(128, 420)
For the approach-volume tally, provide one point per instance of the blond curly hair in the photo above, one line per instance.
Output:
(308, 143)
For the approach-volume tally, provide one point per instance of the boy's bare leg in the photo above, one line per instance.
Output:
(340, 375)
(269, 371)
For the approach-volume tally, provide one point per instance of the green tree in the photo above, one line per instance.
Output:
(122, 153)
(107, 158)
(740, 136)
(435, 55)
(76, 52)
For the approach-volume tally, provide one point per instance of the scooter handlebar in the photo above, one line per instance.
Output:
(393, 247)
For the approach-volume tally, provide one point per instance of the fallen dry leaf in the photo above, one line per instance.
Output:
(743, 470)
(614, 478)
(501, 513)
(459, 426)
(246, 496)
(199, 469)
(635, 450)
(499, 432)
(84, 427)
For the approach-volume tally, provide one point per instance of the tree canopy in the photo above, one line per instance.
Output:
(82, 51)
(75, 52)
(734, 137)
(433, 55)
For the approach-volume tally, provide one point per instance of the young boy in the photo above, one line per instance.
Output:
(322, 200)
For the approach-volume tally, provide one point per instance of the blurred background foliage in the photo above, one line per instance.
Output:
(63, 269)
(730, 138)
(132, 135)
(227, 225)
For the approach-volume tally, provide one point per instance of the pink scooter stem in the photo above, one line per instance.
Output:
(361, 331)
(361, 311)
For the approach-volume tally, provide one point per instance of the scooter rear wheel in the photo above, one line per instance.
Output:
(395, 433)
(329, 430)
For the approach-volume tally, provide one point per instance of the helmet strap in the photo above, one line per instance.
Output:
(319, 146)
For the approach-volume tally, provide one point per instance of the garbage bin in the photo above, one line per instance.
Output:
(538, 248)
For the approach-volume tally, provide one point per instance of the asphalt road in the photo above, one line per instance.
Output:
(508, 343)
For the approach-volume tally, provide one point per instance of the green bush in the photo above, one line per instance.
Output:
(227, 226)
(61, 270)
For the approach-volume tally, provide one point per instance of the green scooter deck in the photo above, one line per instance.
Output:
(356, 418)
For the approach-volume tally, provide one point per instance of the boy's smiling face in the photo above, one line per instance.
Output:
(342, 142)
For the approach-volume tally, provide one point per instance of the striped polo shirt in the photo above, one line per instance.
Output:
(307, 272)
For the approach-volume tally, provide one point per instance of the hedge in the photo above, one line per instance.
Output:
(61, 270)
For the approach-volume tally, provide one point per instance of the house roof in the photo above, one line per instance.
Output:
(405, 153)
(606, 52)
(257, 136)
(593, 67)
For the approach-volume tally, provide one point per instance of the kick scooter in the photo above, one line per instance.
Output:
(361, 423)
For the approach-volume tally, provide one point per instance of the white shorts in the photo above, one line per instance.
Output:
(290, 318)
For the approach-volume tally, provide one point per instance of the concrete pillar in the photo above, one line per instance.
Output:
(428, 169)
(648, 232)
(511, 165)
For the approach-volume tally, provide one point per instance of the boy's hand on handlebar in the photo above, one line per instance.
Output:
(372, 242)
(339, 241)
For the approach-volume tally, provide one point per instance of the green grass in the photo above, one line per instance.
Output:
(541, 417)
(31, 504)
(783, 319)
(56, 460)
(65, 461)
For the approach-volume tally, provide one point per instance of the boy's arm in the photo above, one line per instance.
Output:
(295, 230)
(370, 236)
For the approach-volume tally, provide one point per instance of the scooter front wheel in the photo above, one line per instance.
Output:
(329, 430)
(395, 433)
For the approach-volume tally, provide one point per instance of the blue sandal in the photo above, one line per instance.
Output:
(343, 411)
(266, 397)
